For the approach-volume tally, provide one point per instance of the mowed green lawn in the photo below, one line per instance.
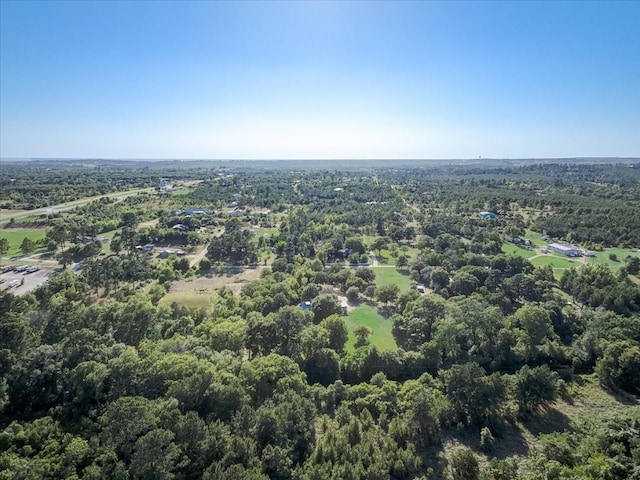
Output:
(380, 326)
(559, 263)
(515, 250)
(15, 236)
(389, 276)
(620, 253)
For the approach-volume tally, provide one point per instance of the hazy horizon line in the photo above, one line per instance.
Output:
(334, 159)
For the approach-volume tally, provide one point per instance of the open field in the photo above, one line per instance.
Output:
(148, 223)
(620, 253)
(559, 263)
(389, 276)
(15, 236)
(195, 300)
(556, 261)
(515, 250)
(182, 191)
(197, 292)
(380, 326)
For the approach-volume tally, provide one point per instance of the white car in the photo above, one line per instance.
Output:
(13, 283)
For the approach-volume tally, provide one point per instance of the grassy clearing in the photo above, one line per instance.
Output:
(557, 262)
(182, 191)
(389, 276)
(590, 399)
(620, 253)
(192, 300)
(535, 239)
(385, 257)
(515, 250)
(380, 326)
(15, 236)
(106, 246)
(260, 231)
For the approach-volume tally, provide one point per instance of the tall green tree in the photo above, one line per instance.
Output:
(27, 246)
(4, 246)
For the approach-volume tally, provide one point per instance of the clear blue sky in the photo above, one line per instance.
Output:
(319, 79)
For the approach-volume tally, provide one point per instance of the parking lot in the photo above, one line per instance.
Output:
(25, 282)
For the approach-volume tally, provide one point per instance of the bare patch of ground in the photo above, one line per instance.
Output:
(343, 299)
(150, 223)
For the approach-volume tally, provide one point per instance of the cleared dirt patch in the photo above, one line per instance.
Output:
(198, 292)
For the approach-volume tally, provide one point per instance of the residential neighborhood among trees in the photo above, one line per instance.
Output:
(291, 320)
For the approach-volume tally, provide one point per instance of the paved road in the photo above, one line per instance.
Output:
(19, 214)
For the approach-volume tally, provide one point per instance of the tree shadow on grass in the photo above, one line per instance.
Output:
(508, 441)
(547, 420)
(387, 311)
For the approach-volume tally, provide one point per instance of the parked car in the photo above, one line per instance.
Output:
(13, 283)
(7, 268)
(21, 268)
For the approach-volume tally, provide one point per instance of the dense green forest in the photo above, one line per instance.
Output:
(363, 323)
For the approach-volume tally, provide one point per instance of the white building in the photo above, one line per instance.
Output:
(565, 249)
